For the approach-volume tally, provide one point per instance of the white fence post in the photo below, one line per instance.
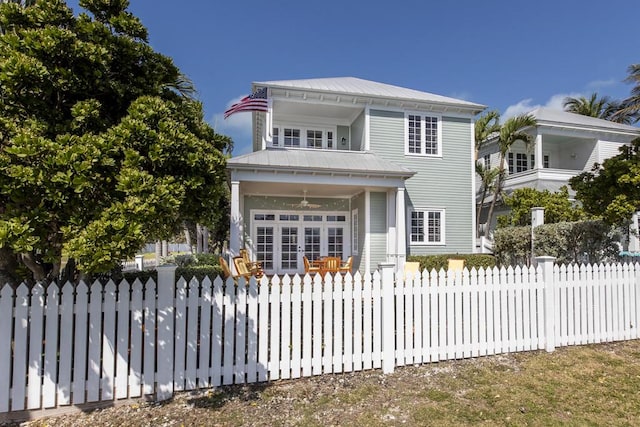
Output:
(388, 317)
(139, 262)
(546, 265)
(166, 331)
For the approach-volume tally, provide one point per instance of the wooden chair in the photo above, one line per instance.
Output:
(346, 267)
(308, 268)
(253, 265)
(243, 269)
(411, 269)
(226, 271)
(331, 265)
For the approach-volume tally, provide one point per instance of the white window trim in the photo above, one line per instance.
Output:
(443, 227)
(303, 135)
(422, 115)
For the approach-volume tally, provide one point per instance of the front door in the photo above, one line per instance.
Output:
(281, 239)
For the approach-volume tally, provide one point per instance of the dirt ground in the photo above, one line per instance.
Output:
(577, 385)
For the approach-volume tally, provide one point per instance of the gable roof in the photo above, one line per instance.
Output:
(319, 161)
(366, 88)
(549, 116)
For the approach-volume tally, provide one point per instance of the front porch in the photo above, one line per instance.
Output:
(281, 213)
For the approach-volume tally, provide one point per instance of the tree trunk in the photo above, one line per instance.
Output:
(205, 240)
(187, 237)
(8, 266)
(158, 252)
(37, 270)
(198, 239)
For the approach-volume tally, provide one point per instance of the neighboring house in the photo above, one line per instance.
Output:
(565, 145)
(349, 167)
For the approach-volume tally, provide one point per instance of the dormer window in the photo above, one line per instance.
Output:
(303, 137)
(423, 135)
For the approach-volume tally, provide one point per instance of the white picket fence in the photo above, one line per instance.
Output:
(84, 344)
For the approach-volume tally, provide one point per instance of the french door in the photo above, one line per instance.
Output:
(280, 240)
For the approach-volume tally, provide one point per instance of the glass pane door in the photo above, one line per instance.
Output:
(312, 243)
(289, 249)
(264, 246)
(335, 241)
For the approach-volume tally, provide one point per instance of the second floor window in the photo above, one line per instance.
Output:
(302, 137)
(423, 135)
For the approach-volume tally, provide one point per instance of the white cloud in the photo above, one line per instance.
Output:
(527, 105)
(238, 126)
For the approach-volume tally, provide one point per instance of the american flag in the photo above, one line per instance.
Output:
(257, 101)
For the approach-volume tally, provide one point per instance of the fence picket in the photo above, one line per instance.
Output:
(348, 324)
(252, 332)
(376, 294)
(240, 335)
(136, 342)
(108, 342)
(6, 336)
(34, 392)
(263, 330)
(357, 322)
(51, 348)
(296, 327)
(180, 334)
(367, 322)
(123, 347)
(204, 378)
(193, 329)
(66, 345)
(149, 361)
(327, 354)
(20, 334)
(217, 321)
(274, 362)
(285, 334)
(317, 325)
(400, 325)
(230, 303)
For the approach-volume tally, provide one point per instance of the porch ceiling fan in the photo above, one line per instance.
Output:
(304, 203)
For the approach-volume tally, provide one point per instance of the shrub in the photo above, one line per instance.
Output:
(568, 242)
(437, 262)
(512, 246)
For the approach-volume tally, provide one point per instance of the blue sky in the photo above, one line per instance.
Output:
(509, 55)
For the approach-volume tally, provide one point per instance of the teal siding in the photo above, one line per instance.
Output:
(440, 182)
(378, 228)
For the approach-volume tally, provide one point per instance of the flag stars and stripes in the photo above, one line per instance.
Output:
(257, 101)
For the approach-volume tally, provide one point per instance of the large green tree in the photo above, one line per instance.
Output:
(612, 190)
(101, 146)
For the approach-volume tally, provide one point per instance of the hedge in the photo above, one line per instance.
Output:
(437, 262)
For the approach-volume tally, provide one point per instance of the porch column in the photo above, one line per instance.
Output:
(392, 239)
(538, 151)
(401, 230)
(235, 234)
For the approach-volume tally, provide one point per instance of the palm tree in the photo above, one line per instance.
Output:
(485, 127)
(601, 108)
(630, 107)
(511, 131)
(488, 177)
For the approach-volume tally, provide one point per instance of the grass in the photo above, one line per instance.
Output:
(575, 386)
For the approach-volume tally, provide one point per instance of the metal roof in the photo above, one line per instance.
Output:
(319, 161)
(356, 86)
(546, 115)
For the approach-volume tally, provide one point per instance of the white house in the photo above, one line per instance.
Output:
(565, 145)
(350, 167)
